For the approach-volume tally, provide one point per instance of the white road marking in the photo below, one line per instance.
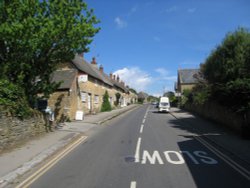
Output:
(137, 151)
(176, 157)
(143, 121)
(133, 184)
(141, 129)
(152, 159)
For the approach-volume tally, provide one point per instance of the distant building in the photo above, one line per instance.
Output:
(187, 79)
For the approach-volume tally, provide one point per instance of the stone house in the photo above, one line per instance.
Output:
(187, 79)
(64, 101)
(85, 92)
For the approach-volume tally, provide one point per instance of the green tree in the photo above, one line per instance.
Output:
(227, 71)
(106, 104)
(12, 99)
(37, 35)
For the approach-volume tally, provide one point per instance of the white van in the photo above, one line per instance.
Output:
(164, 105)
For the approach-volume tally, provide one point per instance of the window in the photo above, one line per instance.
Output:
(96, 99)
(83, 96)
(96, 82)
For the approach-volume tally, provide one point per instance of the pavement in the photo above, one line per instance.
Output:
(22, 159)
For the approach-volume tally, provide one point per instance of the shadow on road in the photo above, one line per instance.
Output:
(207, 169)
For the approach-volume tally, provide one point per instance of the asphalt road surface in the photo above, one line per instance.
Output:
(144, 149)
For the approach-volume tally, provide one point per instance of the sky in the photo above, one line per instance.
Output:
(145, 42)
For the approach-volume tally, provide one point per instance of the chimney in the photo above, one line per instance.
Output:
(101, 68)
(111, 75)
(93, 62)
(118, 78)
(114, 77)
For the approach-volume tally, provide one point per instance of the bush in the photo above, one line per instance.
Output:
(106, 104)
(13, 99)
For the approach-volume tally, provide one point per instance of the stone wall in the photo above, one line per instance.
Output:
(14, 131)
(222, 115)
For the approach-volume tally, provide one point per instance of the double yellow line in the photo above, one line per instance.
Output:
(31, 179)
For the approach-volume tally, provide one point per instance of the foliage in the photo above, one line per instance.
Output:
(227, 73)
(151, 98)
(141, 100)
(106, 104)
(35, 36)
(118, 96)
(12, 98)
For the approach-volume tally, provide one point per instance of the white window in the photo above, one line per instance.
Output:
(96, 82)
(96, 99)
(83, 96)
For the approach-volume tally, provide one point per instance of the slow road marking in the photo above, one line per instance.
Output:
(177, 157)
(133, 184)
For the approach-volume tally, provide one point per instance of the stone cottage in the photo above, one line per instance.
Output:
(84, 91)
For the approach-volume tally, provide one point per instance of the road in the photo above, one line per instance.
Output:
(144, 149)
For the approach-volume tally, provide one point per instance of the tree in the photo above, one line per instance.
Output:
(106, 104)
(227, 72)
(37, 35)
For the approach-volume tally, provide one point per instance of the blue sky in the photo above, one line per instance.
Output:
(147, 41)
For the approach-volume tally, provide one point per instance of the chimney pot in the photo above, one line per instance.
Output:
(101, 68)
(93, 62)
(111, 75)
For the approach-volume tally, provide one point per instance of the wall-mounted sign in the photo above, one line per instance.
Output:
(83, 78)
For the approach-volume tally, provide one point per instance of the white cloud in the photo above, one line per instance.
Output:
(140, 80)
(164, 75)
(162, 71)
(156, 39)
(135, 78)
(120, 23)
(191, 10)
(133, 9)
(171, 9)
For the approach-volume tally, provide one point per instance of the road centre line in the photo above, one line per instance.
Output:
(141, 129)
(143, 121)
(137, 150)
(31, 179)
(225, 158)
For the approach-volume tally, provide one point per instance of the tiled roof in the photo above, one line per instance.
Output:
(188, 76)
(84, 66)
(105, 78)
(64, 76)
